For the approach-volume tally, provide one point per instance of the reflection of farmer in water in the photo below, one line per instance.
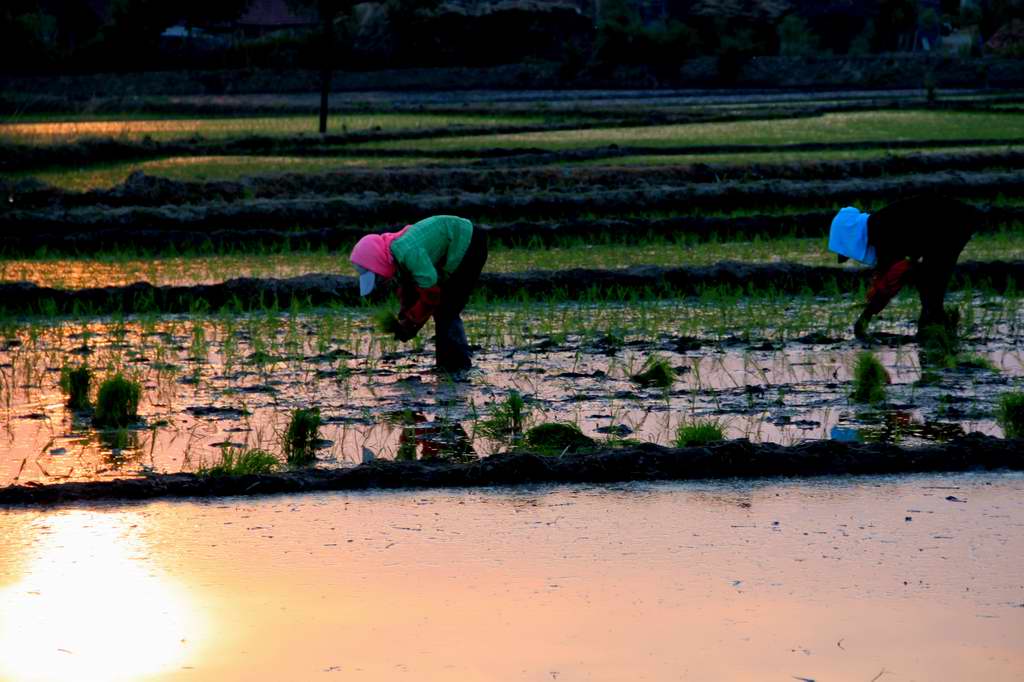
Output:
(918, 239)
(438, 262)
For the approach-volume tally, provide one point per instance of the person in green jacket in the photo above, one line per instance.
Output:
(437, 263)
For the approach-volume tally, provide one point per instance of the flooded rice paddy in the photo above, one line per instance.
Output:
(773, 370)
(909, 578)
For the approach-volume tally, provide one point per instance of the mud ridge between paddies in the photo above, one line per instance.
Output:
(371, 208)
(624, 230)
(23, 157)
(645, 462)
(574, 284)
(140, 189)
(576, 102)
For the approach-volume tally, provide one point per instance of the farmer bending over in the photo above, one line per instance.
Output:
(438, 262)
(917, 239)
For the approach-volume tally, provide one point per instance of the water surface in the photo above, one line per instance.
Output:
(827, 580)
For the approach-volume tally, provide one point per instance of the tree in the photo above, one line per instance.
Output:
(796, 39)
(205, 13)
(27, 33)
(331, 15)
(897, 19)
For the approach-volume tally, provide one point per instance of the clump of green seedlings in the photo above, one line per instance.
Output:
(505, 420)
(117, 402)
(941, 346)
(869, 379)
(386, 321)
(301, 436)
(656, 372)
(1010, 414)
(699, 433)
(554, 438)
(240, 462)
(75, 382)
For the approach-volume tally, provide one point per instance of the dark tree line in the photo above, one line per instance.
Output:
(126, 34)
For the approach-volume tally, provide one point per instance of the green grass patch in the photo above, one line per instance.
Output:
(781, 157)
(872, 126)
(204, 169)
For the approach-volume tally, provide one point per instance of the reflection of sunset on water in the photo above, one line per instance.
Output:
(702, 581)
(90, 603)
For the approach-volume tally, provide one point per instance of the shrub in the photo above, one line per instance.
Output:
(869, 379)
(301, 436)
(117, 402)
(238, 462)
(656, 372)
(699, 433)
(75, 382)
(1010, 414)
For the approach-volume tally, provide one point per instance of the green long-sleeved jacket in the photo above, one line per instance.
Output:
(433, 248)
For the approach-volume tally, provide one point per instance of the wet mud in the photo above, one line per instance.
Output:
(573, 284)
(727, 460)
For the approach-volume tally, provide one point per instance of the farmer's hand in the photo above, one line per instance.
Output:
(405, 328)
(415, 314)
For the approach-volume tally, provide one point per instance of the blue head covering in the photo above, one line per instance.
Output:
(849, 236)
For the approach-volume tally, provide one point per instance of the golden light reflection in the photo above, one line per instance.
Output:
(92, 606)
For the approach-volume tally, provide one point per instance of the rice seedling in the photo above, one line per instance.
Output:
(241, 462)
(554, 438)
(301, 436)
(698, 433)
(505, 420)
(386, 321)
(117, 402)
(1010, 414)
(75, 382)
(656, 371)
(869, 379)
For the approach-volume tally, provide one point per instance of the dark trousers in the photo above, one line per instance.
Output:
(932, 231)
(453, 352)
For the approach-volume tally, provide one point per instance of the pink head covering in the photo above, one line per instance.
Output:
(373, 252)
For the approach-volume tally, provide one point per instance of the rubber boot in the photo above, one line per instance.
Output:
(453, 354)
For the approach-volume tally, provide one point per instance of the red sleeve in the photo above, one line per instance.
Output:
(886, 283)
(416, 311)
